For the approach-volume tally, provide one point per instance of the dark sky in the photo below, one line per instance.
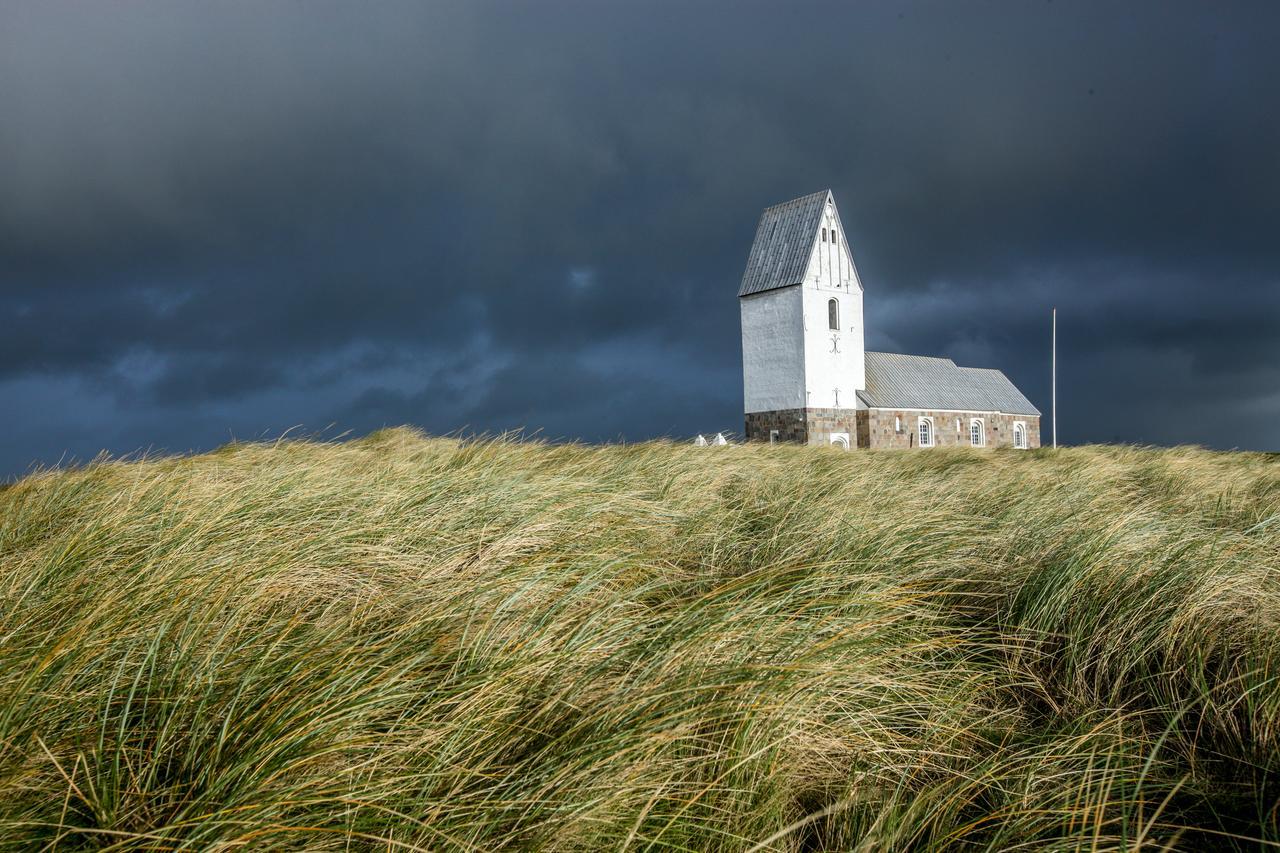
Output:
(227, 222)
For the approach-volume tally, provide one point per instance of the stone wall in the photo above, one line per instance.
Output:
(788, 422)
(875, 428)
(803, 426)
(864, 428)
(824, 422)
(881, 431)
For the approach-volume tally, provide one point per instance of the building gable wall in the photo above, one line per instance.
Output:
(834, 359)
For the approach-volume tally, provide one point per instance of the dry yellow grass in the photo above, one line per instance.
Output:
(413, 643)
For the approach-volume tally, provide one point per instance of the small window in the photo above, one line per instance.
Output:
(957, 426)
(824, 235)
(977, 432)
(773, 436)
(833, 314)
(1019, 435)
(897, 424)
(926, 432)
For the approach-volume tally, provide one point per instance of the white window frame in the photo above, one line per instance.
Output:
(981, 430)
(773, 436)
(1020, 441)
(925, 428)
(840, 439)
(833, 314)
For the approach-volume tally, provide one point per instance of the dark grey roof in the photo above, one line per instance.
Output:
(897, 381)
(784, 242)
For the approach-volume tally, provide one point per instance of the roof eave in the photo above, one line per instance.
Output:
(742, 295)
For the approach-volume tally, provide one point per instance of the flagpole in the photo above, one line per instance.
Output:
(1055, 378)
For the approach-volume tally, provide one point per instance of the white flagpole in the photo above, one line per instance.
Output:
(1055, 378)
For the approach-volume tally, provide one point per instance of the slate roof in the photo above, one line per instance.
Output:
(897, 381)
(784, 241)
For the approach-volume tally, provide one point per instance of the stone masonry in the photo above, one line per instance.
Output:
(885, 428)
(881, 428)
(803, 426)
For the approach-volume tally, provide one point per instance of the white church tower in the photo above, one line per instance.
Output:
(803, 360)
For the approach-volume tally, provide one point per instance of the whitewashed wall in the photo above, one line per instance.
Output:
(832, 377)
(773, 375)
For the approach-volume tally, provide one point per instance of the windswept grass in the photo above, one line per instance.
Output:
(412, 643)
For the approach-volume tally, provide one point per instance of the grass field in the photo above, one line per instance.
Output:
(408, 643)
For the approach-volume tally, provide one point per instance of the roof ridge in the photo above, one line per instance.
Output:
(797, 199)
(909, 355)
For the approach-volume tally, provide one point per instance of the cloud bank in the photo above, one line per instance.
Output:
(230, 221)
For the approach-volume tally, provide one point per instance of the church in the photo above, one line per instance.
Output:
(807, 377)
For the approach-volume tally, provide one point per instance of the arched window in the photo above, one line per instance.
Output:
(833, 314)
(926, 432)
(977, 432)
(1020, 435)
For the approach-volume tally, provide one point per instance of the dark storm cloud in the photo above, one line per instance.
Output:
(234, 220)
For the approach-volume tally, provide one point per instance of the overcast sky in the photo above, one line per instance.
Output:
(226, 222)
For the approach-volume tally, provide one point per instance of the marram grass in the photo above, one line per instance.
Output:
(403, 643)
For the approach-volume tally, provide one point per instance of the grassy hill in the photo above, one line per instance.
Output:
(412, 643)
